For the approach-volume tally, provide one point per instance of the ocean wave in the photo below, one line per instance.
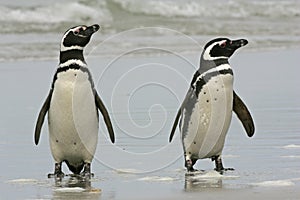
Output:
(43, 17)
(17, 18)
(220, 9)
(34, 31)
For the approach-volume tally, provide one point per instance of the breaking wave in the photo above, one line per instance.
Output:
(32, 29)
(220, 9)
(52, 17)
(47, 17)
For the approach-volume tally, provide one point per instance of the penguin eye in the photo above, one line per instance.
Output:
(222, 45)
(77, 31)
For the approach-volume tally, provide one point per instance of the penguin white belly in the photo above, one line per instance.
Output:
(210, 118)
(73, 118)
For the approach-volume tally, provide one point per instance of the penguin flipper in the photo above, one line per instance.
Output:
(243, 114)
(184, 103)
(175, 124)
(105, 115)
(41, 118)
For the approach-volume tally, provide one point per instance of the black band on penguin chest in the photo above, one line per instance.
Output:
(71, 54)
(203, 80)
(72, 66)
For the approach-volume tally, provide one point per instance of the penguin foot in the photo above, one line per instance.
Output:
(87, 171)
(229, 169)
(189, 165)
(192, 169)
(219, 165)
(87, 175)
(221, 171)
(58, 174)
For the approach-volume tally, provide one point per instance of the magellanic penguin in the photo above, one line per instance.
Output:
(72, 106)
(206, 111)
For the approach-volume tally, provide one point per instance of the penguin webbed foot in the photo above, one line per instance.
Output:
(191, 169)
(58, 174)
(219, 165)
(87, 175)
(222, 170)
(189, 165)
(228, 169)
(87, 171)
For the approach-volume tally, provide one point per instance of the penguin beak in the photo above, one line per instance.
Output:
(235, 44)
(92, 29)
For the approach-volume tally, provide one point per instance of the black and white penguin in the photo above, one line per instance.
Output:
(206, 111)
(72, 106)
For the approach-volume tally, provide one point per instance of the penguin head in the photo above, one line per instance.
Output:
(78, 37)
(221, 48)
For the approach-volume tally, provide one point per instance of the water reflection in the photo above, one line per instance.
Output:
(75, 187)
(199, 181)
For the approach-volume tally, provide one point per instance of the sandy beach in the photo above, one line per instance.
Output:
(142, 61)
(142, 164)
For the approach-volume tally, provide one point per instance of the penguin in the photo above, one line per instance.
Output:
(72, 107)
(205, 114)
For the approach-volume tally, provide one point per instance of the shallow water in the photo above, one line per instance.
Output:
(142, 164)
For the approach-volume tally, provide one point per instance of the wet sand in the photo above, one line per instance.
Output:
(142, 164)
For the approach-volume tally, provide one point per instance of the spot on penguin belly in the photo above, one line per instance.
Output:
(206, 132)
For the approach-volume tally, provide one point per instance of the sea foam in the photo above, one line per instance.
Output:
(231, 9)
(157, 178)
(291, 146)
(276, 183)
(23, 181)
(70, 189)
